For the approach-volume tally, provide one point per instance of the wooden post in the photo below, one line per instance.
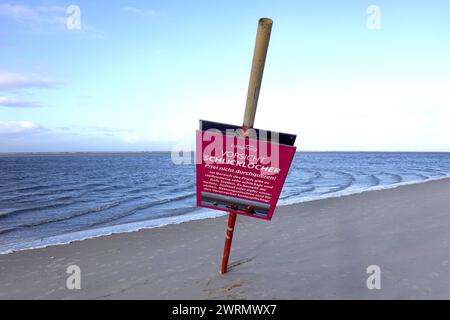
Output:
(259, 61)
(254, 87)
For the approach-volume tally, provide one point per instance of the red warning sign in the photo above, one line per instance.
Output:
(241, 174)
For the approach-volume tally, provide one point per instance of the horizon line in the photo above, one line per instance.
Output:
(187, 151)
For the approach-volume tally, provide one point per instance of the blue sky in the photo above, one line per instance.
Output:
(139, 75)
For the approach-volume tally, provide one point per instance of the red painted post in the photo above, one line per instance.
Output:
(228, 240)
(256, 75)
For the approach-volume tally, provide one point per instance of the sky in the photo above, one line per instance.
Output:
(138, 75)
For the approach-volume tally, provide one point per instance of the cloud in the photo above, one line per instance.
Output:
(17, 129)
(46, 9)
(128, 136)
(51, 14)
(141, 12)
(11, 81)
(37, 16)
(94, 130)
(16, 11)
(105, 129)
(17, 103)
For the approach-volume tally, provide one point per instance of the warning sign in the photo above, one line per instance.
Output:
(241, 173)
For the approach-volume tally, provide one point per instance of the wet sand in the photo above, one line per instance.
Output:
(314, 250)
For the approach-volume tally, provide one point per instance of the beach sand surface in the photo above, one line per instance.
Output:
(314, 250)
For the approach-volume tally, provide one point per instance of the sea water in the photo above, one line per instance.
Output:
(59, 198)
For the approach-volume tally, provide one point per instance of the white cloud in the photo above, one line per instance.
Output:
(95, 131)
(49, 14)
(17, 103)
(17, 11)
(11, 81)
(45, 15)
(17, 129)
(59, 9)
(141, 12)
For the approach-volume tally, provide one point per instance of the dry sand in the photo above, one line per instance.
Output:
(317, 250)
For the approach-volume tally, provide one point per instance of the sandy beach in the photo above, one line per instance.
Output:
(314, 250)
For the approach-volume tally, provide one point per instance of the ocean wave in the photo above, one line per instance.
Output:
(59, 218)
(37, 187)
(316, 176)
(82, 235)
(128, 212)
(138, 191)
(397, 177)
(142, 207)
(355, 191)
(376, 181)
(298, 193)
(351, 180)
(418, 175)
(35, 208)
(198, 214)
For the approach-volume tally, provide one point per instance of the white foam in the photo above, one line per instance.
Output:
(344, 193)
(107, 231)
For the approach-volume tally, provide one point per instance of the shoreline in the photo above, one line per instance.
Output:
(313, 250)
(180, 219)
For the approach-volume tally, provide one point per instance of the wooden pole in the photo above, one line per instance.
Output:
(256, 75)
(254, 87)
